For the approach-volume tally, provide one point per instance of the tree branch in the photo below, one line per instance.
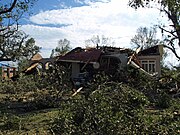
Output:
(9, 9)
(172, 16)
(173, 49)
(170, 32)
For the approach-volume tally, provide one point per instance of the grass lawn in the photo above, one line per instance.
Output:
(15, 119)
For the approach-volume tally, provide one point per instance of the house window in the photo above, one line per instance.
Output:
(149, 65)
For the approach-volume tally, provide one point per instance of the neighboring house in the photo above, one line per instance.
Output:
(40, 63)
(7, 71)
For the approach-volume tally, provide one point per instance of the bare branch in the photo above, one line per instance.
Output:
(172, 48)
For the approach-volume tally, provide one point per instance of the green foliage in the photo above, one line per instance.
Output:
(12, 40)
(115, 108)
(164, 100)
(41, 99)
(143, 83)
(29, 49)
(24, 84)
(26, 94)
(138, 105)
(111, 109)
(22, 65)
(17, 47)
(9, 122)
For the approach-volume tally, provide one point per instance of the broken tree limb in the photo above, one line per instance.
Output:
(133, 55)
(140, 69)
(75, 93)
(31, 67)
(86, 64)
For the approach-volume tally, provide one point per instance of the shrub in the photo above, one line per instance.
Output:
(164, 100)
(10, 122)
(23, 84)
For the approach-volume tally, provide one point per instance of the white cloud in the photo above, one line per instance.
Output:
(110, 18)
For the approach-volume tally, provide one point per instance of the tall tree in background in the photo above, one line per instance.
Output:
(96, 41)
(145, 37)
(171, 32)
(29, 49)
(62, 48)
(11, 39)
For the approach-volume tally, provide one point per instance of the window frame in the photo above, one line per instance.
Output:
(149, 65)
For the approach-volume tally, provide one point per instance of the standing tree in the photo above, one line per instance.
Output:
(17, 47)
(11, 39)
(145, 38)
(29, 49)
(11, 11)
(24, 52)
(62, 48)
(99, 41)
(171, 32)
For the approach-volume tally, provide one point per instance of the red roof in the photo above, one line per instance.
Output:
(82, 55)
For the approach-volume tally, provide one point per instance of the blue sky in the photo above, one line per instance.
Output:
(43, 5)
(79, 20)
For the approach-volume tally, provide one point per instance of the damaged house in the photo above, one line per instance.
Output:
(7, 71)
(38, 63)
(84, 63)
(89, 61)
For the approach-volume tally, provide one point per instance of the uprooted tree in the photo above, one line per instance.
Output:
(11, 38)
(171, 9)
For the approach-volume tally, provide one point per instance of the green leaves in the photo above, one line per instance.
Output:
(10, 14)
(1, 19)
(107, 110)
(17, 46)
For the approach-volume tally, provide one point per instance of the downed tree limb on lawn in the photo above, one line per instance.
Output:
(75, 93)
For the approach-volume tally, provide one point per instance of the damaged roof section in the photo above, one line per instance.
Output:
(81, 55)
(148, 60)
(154, 50)
(38, 62)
